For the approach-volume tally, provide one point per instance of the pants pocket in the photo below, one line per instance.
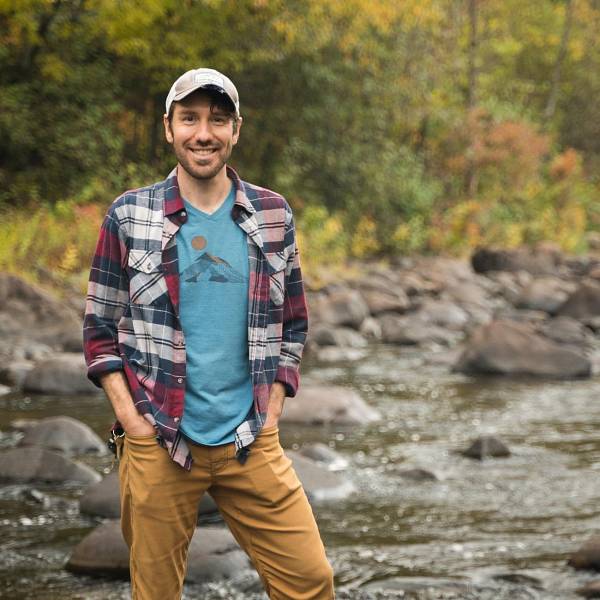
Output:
(270, 471)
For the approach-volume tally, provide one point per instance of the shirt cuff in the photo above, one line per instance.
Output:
(102, 366)
(290, 379)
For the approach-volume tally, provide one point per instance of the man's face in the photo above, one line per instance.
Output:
(202, 138)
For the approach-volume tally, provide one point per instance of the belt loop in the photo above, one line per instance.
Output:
(120, 442)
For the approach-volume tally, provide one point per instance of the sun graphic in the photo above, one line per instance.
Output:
(199, 242)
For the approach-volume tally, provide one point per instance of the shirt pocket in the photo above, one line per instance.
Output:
(147, 284)
(276, 279)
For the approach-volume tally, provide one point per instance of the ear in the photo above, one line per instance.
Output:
(168, 130)
(236, 135)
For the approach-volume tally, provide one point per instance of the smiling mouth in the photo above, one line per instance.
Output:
(203, 152)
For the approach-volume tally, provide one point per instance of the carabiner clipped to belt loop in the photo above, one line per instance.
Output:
(115, 444)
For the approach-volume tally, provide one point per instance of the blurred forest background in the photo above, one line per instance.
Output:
(392, 127)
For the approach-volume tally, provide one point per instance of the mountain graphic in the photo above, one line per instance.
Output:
(215, 268)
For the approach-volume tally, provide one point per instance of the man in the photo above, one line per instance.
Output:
(195, 325)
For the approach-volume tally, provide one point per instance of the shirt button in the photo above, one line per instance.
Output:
(183, 213)
(148, 267)
(176, 419)
(180, 380)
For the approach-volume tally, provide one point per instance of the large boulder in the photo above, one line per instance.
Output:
(588, 556)
(443, 271)
(442, 313)
(583, 303)
(213, 554)
(102, 500)
(415, 284)
(379, 301)
(328, 404)
(319, 483)
(342, 307)
(545, 293)
(590, 590)
(14, 372)
(29, 313)
(568, 331)
(64, 373)
(64, 434)
(412, 329)
(508, 283)
(470, 293)
(371, 329)
(540, 261)
(514, 348)
(22, 465)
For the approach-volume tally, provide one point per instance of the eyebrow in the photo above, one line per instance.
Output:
(216, 110)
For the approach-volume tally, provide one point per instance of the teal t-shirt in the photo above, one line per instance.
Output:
(213, 291)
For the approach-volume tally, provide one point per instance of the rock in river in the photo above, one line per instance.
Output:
(588, 556)
(64, 373)
(584, 302)
(214, 554)
(328, 404)
(319, 483)
(20, 465)
(343, 307)
(64, 434)
(545, 293)
(418, 474)
(412, 329)
(487, 446)
(506, 347)
(590, 590)
(102, 500)
(321, 453)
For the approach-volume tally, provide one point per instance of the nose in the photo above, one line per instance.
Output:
(203, 132)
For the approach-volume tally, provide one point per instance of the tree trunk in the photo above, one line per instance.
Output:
(471, 179)
(562, 52)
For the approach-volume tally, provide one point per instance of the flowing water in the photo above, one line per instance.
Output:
(456, 537)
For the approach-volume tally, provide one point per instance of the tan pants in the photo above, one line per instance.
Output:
(262, 502)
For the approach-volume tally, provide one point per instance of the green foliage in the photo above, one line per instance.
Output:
(320, 235)
(59, 239)
(386, 128)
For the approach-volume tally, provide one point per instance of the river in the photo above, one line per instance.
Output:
(523, 515)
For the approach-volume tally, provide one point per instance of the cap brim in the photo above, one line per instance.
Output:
(204, 86)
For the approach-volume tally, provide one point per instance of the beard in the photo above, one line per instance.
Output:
(200, 171)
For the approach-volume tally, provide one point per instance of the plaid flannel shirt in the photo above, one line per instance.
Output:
(132, 310)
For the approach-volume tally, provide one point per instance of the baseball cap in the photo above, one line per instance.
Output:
(196, 79)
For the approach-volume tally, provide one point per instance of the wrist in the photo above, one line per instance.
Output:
(128, 417)
(278, 385)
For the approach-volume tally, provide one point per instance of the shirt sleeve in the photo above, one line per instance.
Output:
(295, 315)
(107, 297)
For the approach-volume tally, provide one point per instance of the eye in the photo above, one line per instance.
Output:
(219, 119)
(188, 118)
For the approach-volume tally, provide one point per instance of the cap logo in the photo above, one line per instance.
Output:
(206, 78)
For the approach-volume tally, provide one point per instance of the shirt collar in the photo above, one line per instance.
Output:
(174, 201)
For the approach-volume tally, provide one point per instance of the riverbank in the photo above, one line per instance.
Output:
(424, 520)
